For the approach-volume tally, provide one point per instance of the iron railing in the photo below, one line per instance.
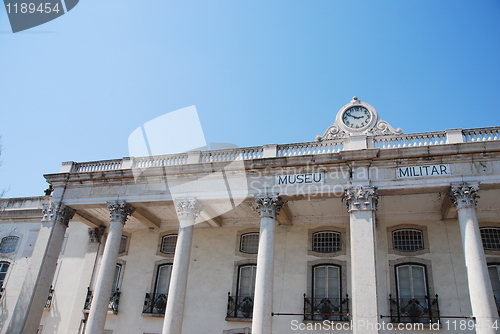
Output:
(1, 290)
(48, 303)
(114, 300)
(239, 306)
(414, 310)
(155, 303)
(334, 309)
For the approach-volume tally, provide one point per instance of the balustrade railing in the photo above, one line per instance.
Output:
(410, 140)
(414, 310)
(482, 134)
(334, 309)
(239, 306)
(155, 303)
(311, 148)
(246, 153)
(161, 160)
(97, 166)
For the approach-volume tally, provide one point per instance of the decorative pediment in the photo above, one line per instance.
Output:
(358, 118)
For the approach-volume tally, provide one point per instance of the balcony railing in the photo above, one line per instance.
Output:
(1, 290)
(414, 310)
(155, 303)
(114, 300)
(48, 303)
(334, 309)
(239, 306)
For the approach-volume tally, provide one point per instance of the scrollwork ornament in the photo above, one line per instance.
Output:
(464, 195)
(120, 211)
(361, 199)
(188, 208)
(57, 212)
(268, 205)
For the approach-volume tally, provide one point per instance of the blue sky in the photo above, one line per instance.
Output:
(259, 72)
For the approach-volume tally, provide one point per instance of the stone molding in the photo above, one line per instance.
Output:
(95, 234)
(464, 195)
(268, 205)
(361, 199)
(57, 212)
(188, 208)
(120, 211)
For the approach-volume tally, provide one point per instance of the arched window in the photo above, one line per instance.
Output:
(407, 240)
(4, 267)
(249, 243)
(490, 237)
(8, 244)
(326, 242)
(168, 243)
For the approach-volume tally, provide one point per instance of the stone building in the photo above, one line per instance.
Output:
(364, 230)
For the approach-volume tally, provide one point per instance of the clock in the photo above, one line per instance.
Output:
(356, 117)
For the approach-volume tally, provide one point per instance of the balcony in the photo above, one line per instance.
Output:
(239, 306)
(155, 304)
(414, 310)
(333, 309)
(114, 300)
(48, 303)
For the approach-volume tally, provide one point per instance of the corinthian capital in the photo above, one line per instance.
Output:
(268, 205)
(120, 211)
(188, 208)
(361, 199)
(464, 195)
(57, 212)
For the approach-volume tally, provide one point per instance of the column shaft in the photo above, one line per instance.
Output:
(41, 270)
(102, 290)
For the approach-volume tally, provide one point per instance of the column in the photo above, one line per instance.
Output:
(361, 204)
(119, 212)
(34, 292)
(481, 294)
(268, 207)
(187, 211)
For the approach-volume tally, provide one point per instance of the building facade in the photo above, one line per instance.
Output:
(364, 230)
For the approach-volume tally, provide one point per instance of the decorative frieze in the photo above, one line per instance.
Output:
(268, 205)
(361, 199)
(120, 211)
(57, 212)
(188, 208)
(464, 195)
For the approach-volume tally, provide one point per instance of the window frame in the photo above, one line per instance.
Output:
(489, 225)
(238, 242)
(16, 247)
(127, 243)
(161, 243)
(497, 265)
(242, 236)
(390, 240)
(9, 265)
(343, 242)
(169, 256)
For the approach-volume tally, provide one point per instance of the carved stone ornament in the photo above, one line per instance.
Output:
(464, 195)
(268, 205)
(188, 208)
(95, 234)
(120, 211)
(373, 126)
(57, 212)
(361, 199)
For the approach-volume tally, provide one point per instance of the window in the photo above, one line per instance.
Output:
(412, 303)
(240, 305)
(494, 271)
(4, 266)
(115, 292)
(123, 244)
(491, 238)
(156, 302)
(168, 243)
(8, 244)
(326, 242)
(407, 240)
(249, 243)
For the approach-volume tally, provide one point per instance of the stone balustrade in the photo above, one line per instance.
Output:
(288, 150)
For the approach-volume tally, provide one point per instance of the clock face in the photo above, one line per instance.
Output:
(356, 117)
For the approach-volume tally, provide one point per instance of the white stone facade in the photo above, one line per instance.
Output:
(345, 222)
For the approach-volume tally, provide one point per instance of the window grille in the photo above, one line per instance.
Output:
(327, 242)
(249, 243)
(168, 243)
(491, 238)
(407, 240)
(123, 244)
(8, 244)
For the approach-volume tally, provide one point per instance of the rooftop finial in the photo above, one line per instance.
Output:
(355, 100)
